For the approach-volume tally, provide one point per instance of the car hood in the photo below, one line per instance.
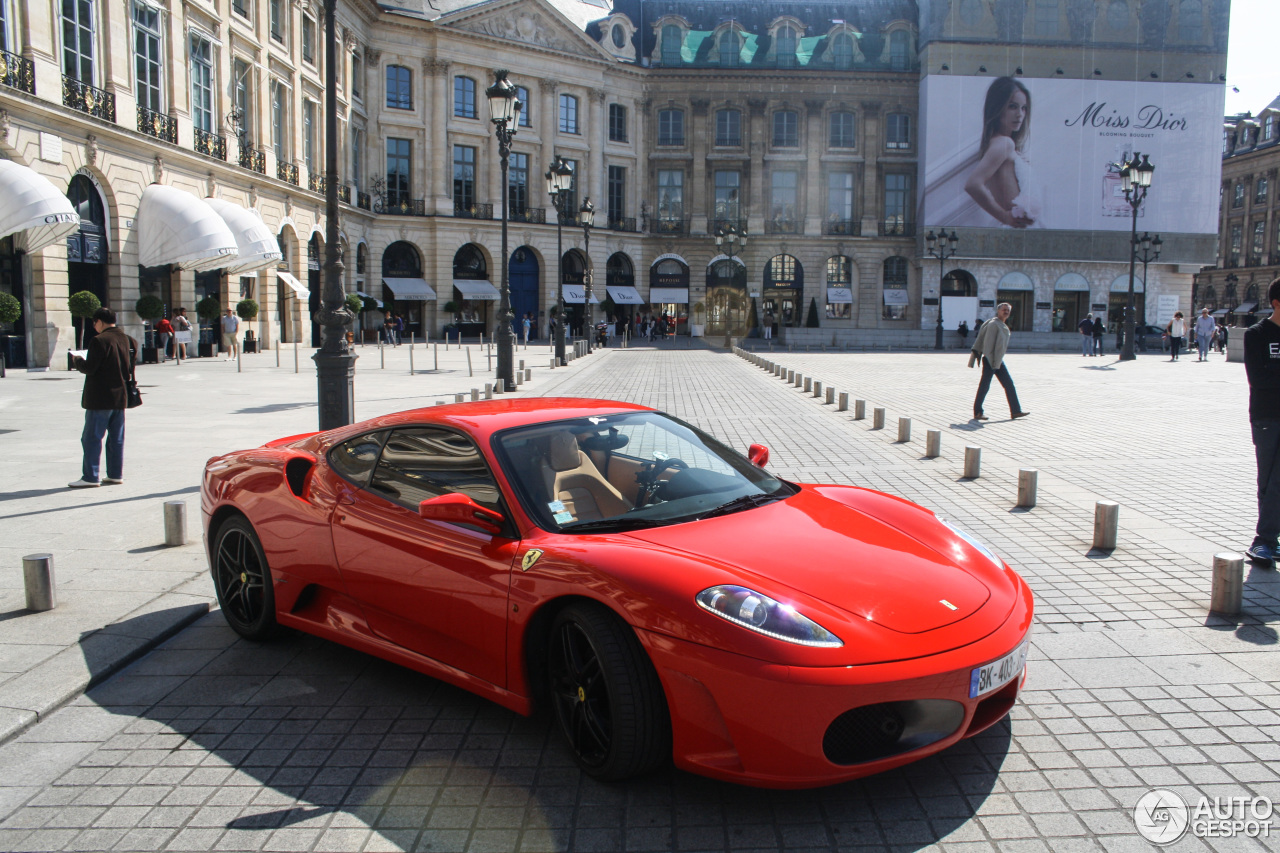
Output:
(894, 565)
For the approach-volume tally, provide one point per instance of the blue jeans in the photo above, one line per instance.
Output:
(1006, 382)
(1202, 341)
(99, 422)
(1086, 344)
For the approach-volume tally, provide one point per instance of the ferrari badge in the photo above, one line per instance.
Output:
(530, 557)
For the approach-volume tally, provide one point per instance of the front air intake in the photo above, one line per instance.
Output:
(880, 731)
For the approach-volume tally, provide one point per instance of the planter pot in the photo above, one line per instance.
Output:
(695, 329)
(204, 350)
(150, 355)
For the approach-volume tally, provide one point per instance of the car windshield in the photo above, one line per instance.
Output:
(628, 471)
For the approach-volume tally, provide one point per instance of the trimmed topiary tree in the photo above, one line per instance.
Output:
(10, 308)
(149, 308)
(247, 309)
(812, 321)
(208, 309)
(82, 306)
(354, 303)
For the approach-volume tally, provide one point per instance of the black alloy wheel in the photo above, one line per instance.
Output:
(608, 700)
(243, 581)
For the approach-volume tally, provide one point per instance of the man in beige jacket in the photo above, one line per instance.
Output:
(989, 347)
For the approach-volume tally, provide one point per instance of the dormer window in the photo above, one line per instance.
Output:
(785, 46)
(730, 49)
(899, 50)
(842, 50)
(619, 36)
(672, 38)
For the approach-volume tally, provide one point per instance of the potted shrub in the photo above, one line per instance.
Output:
(82, 306)
(697, 327)
(10, 311)
(247, 310)
(451, 308)
(150, 309)
(354, 305)
(811, 321)
(208, 309)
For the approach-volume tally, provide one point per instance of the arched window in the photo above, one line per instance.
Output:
(1190, 20)
(842, 50)
(672, 38)
(839, 271)
(362, 258)
(899, 50)
(785, 46)
(469, 264)
(619, 271)
(783, 271)
(84, 197)
(1209, 299)
(574, 267)
(619, 36)
(730, 49)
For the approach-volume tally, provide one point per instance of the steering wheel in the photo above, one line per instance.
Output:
(648, 475)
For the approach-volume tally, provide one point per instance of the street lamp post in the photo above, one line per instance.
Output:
(730, 241)
(1135, 180)
(335, 360)
(1150, 252)
(559, 180)
(941, 246)
(587, 213)
(504, 111)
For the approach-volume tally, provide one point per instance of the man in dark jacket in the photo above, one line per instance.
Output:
(108, 365)
(1262, 366)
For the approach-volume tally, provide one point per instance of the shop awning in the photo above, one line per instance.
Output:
(576, 294)
(476, 289)
(293, 284)
(411, 289)
(895, 296)
(1244, 308)
(839, 296)
(624, 295)
(175, 227)
(256, 246)
(664, 295)
(33, 207)
(1222, 312)
(364, 295)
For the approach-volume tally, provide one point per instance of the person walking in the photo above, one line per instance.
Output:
(989, 347)
(399, 329)
(164, 331)
(1176, 329)
(230, 326)
(768, 325)
(1086, 335)
(1204, 329)
(1098, 329)
(526, 323)
(180, 324)
(1222, 338)
(1262, 367)
(109, 362)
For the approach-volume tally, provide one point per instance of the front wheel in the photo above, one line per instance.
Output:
(608, 699)
(243, 581)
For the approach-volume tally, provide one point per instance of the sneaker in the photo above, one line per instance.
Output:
(83, 484)
(1261, 553)
(1017, 415)
(112, 481)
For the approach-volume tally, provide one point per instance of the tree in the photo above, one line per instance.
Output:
(10, 308)
(247, 309)
(149, 308)
(354, 303)
(82, 306)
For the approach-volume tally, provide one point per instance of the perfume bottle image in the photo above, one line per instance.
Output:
(1113, 201)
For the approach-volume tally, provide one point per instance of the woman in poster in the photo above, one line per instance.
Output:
(1002, 183)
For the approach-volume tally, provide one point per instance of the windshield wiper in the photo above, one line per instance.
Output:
(614, 524)
(741, 503)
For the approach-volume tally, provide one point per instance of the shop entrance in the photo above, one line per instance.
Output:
(727, 299)
(87, 249)
(524, 282)
(13, 336)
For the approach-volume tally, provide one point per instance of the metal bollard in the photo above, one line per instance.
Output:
(972, 462)
(1027, 478)
(843, 405)
(877, 417)
(1228, 584)
(295, 356)
(410, 359)
(1106, 521)
(817, 389)
(475, 394)
(470, 372)
(435, 350)
(37, 577)
(382, 357)
(904, 430)
(859, 409)
(933, 444)
(175, 522)
(808, 385)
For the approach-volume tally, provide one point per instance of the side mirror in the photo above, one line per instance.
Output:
(457, 508)
(758, 454)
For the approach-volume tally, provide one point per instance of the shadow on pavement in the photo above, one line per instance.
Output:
(336, 735)
(274, 407)
(152, 496)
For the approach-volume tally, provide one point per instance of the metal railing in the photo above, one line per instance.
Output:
(157, 124)
(364, 201)
(98, 103)
(402, 206)
(782, 226)
(536, 215)
(669, 225)
(473, 211)
(896, 228)
(717, 224)
(850, 227)
(287, 172)
(344, 193)
(17, 72)
(315, 182)
(253, 160)
(624, 223)
(210, 144)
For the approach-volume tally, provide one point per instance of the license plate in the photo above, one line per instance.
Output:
(997, 674)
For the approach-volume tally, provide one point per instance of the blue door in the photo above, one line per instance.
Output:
(524, 290)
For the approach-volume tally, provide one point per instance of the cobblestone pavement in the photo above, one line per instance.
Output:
(211, 743)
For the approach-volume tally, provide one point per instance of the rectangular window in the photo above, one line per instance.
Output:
(399, 88)
(241, 8)
(786, 129)
(1238, 199)
(839, 202)
(1259, 237)
(1046, 17)
(147, 59)
(897, 131)
(398, 151)
(1260, 191)
(464, 177)
(77, 40)
(308, 39)
(896, 200)
(518, 182)
(279, 120)
(1236, 237)
(242, 94)
(276, 19)
(568, 114)
(526, 111)
(464, 97)
(782, 200)
(617, 123)
(670, 195)
(202, 108)
(5, 44)
(309, 135)
(571, 196)
(357, 148)
(729, 127)
(727, 199)
(671, 127)
(843, 131)
(617, 194)
(357, 77)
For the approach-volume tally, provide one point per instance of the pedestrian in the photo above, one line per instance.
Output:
(230, 325)
(1098, 328)
(990, 346)
(1222, 337)
(164, 331)
(399, 327)
(963, 331)
(181, 324)
(1120, 335)
(109, 362)
(1262, 367)
(1175, 330)
(1204, 329)
(526, 324)
(1086, 335)
(768, 325)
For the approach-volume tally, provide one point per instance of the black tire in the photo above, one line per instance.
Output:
(243, 581)
(608, 700)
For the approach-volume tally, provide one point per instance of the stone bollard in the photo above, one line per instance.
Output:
(843, 405)
(488, 390)
(528, 374)
(500, 387)
(553, 362)
(933, 444)
(1106, 521)
(904, 430)
(475, 394)
(1228, 584)
(831, 396)
(37, 577)
(877, 417)
(522, 364)
(808, 384)
(972, 462)
(817, 389)
(859, 409)
(457, 398)
(791, 377)
(1027, 478)
(175, 522)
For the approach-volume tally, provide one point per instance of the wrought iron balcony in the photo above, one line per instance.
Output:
(625, 223)
(669, 225)
(315, 182)
(344, 193)
(850, 227)
(718, 224)
(17, 73)
(364, 201)
(897, 228)
(157, 124)
(473, 211)
(88, 99)
(782, 226)
(210, 144)
(287, 172)
(253, 160)
(536, 215)
(403, 206)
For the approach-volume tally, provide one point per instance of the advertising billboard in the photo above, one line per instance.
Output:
(1021, 153)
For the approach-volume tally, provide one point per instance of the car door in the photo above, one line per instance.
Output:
(435, 588)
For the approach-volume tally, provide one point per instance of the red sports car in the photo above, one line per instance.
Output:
(664, 595)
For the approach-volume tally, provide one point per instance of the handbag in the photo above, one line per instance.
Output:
(132, 396)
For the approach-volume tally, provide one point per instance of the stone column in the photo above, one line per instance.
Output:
(547, 125)
(439, 174)
(872, 140)
(50, 330)
(596, 130)
(811, 198)
(867, 298)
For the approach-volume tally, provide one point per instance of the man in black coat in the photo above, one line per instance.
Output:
(109, 364)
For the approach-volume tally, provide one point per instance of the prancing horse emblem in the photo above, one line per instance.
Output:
(530, 557)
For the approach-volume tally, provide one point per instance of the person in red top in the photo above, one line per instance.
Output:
(164, 332)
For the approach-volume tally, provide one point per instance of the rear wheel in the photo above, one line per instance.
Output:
(243, 581)
(608, 699)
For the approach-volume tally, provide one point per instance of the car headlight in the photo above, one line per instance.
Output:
(978, 546)
(762, 614)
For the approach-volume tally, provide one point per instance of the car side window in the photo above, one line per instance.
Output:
(354, 459)
(418, 463)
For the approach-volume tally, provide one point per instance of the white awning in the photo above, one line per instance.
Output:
(256, 246)
(34, 206)
(665, 295)
(294, 284)
(839, 296)
(414, 289)
(175, 227)
(577, 294)
(895, 296)
(625, 295)
(476, 289)
(722, 257)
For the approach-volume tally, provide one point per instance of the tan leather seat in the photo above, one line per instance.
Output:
(574, 480)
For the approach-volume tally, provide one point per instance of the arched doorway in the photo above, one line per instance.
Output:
(620, 285)
(87, 248)
(522, 275)
(959, 300)
(669, 289)
(727, 297)
(401, 260)
(1070, 302)
(784, 290)
(473, 293)
(315, 284)
(574, 265)
(1018, 290)
(1119, 301)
